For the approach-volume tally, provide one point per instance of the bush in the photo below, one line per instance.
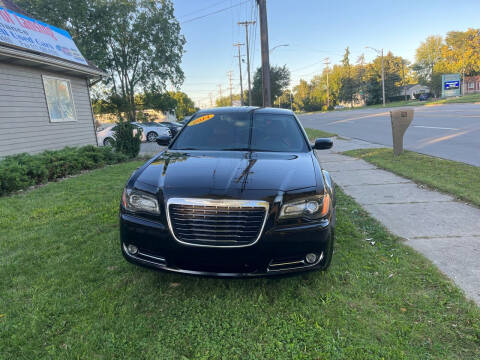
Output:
(20, 171)
(126, 141)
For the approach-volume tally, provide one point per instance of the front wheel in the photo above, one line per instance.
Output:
(325, 264)
(152, 136)
(108, 142)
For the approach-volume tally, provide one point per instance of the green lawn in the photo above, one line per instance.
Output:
(67, 293)
(456, 178)
(315, 133)
(471, 98)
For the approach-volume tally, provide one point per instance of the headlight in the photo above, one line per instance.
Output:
(134, 200)
(317, 206)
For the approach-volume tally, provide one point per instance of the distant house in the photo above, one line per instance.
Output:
(471, 84)
(44, 86)
(413, 91)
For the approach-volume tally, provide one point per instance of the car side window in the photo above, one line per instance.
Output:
(273, 132)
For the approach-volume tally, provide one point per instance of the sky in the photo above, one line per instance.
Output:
(312, 29)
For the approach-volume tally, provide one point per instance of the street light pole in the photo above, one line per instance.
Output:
(275, 47)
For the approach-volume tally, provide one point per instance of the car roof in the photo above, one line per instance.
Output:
(245, 109)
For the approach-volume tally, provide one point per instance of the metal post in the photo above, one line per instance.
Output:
(240, 69)
(267, 95)
(246, 23)
(327, 62)
(230, 85)
(383, 81)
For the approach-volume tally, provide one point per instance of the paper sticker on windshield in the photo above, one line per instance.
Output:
(201, 119)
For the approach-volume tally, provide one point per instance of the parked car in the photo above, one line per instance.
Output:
(238, 192)
(106, 136)
(423, 97)
(185, 119)
(174, 127)
(152, 131)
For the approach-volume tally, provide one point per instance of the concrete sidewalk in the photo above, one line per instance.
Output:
(444, 230)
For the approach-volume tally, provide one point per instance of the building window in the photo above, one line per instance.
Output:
(471, 85)
(59, 99)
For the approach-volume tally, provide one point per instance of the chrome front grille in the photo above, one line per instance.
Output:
(216, 223)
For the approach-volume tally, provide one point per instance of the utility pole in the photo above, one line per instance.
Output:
(246, 23)
(267, 95)
(230, 85)
(291, 101)
(211, 101)
(383, 81)
(327, 62)
(404, 83)
(240, 69)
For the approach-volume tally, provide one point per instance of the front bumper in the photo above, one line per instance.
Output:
(279, 250)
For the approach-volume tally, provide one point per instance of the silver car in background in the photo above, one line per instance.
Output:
(150, 133)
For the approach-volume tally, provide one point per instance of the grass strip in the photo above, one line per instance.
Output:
(452, 177)
(67, 293)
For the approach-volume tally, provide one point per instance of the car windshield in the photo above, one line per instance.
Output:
(236, 131)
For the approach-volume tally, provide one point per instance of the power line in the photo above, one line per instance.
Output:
(200, 10)
(213, 13)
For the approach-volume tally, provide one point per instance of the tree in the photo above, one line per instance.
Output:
(279, 81)
(184, 105)
(461, 53)
(347, 88)
(225, 100)
(427, 55)
(145, 48)
(302, 96)
(138, 42)
(163, 102)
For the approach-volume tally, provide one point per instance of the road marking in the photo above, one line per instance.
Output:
(434, 127)
(442, 138)
(358, 118)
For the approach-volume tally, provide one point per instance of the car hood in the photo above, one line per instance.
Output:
(224, 170)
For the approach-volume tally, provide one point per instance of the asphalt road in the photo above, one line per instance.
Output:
(448, 131)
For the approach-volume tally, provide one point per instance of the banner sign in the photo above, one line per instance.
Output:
(22, 31)
(450, 85)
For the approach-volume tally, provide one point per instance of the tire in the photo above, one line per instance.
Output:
(108, 141)
(325, 264)
(152, 136)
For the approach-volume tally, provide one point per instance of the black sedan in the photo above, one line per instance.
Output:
(238, 192)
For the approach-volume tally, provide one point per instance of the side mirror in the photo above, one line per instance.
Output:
(323, 144)
(163, 140)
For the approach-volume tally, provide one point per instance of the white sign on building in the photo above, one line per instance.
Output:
(22, 31)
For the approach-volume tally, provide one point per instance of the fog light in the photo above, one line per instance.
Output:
(311, 258)
(132, 249)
